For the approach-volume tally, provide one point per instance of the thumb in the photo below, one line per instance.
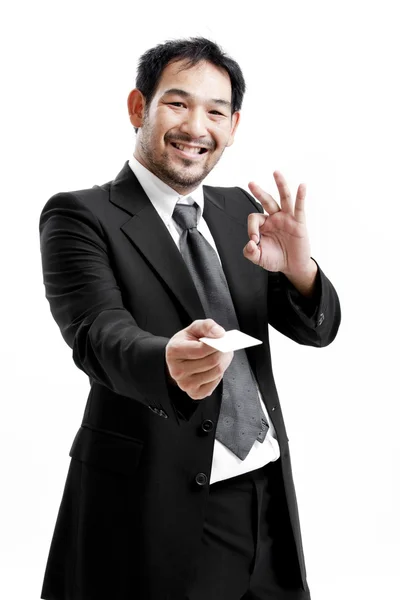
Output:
(205, 328)
(251, 252)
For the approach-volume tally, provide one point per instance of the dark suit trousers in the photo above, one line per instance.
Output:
(247, 550)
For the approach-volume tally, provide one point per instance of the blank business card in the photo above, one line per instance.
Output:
(232, 340)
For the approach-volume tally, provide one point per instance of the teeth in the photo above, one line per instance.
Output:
(188, 149)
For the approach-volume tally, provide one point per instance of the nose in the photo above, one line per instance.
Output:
(194, 123)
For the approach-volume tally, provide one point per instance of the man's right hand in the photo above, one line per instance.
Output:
(195, 367)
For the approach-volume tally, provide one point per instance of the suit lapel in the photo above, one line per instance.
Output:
(245, 280)
(147, 232)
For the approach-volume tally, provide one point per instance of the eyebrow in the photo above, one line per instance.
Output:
(185, 94)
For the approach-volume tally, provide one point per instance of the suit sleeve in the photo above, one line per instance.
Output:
(310, 321)
(86, 303)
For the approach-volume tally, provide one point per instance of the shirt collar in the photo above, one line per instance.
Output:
(162, 196)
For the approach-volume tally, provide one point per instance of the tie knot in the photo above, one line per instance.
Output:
(185, 215)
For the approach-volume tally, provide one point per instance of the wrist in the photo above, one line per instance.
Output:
(304, 279)
(170, 380)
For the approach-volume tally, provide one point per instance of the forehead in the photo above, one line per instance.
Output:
(202, 80)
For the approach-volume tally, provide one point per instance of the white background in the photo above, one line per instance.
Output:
(322, 106)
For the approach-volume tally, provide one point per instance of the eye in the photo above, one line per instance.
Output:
(216, 112)
(176, 103)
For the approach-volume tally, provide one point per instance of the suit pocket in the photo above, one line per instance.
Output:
(107, 512)
(107, 450)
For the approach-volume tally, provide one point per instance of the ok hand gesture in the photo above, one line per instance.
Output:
(279, 239)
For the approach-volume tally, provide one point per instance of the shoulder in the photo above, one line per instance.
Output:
(91, 201)
(236, 195)
(85, 197)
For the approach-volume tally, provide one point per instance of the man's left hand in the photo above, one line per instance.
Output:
(279, 239)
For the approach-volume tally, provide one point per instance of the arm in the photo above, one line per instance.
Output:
(313, 321)
(86, 303)
(302, 302)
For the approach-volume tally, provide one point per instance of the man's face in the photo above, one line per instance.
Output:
(187, 125)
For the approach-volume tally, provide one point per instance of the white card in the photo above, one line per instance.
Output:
(232, 340)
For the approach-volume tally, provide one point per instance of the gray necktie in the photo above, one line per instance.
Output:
(241, 420)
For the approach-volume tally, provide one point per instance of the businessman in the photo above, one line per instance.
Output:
(180, 485)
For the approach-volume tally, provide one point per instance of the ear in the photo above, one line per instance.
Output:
(136, 106)
(235, 123)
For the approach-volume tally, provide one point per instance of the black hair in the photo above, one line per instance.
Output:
(192, 51)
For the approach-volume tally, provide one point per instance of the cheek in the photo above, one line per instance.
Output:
(167, 121)
(222, 134)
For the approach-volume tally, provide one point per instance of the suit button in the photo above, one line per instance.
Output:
(207, 425)
(162, 413)
(201, 479)
(321, 319)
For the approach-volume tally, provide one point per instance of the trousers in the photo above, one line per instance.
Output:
(247, 547)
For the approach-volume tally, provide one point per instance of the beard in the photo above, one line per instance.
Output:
(178, 178)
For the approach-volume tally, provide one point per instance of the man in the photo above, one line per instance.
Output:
(180, 485)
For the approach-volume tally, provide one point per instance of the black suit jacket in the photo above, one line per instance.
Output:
(131, 516)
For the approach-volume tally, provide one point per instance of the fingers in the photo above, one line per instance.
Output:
(204, 328)
(186, 368)
(198, 385)
(252, 252)
(269, 204)
(195, 367)
(205, 390)
(299, 212)
(185, 345)
(284, 192)
(254, 223)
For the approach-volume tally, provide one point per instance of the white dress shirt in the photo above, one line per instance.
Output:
(225, 464)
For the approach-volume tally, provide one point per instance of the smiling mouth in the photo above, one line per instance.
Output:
(189, 150)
